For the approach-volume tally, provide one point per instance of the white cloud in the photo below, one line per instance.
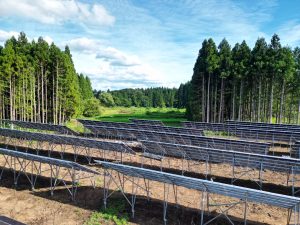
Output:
(4, 35)
(48, 39)
(117, 58)
(289, 33)
(150, 44)
(111, 68)
(84, 44)
(57, 11)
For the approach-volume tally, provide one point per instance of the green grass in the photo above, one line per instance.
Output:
(115, 213)
(75, 126)
(169, 116)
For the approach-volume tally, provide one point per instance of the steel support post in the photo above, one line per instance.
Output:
(165, 202)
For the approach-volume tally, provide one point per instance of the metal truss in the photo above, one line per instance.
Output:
(137, 183)
(60, 172)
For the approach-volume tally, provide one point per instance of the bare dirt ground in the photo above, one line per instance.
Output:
(39, 207)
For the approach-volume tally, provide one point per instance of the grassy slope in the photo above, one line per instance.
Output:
(170, 116)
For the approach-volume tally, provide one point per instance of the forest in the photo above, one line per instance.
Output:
(240, 83)
(38, 82)
(149, 97)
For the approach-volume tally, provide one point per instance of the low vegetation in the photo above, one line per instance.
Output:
(169, 116)
(115, 213)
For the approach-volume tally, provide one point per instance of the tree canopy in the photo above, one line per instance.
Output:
(239, 83)
(38, 82)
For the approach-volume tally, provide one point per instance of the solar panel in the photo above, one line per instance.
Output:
(250, 132)
(42, 126)
(274, 163)
(169, 129)
(8, 221)
(258, 196)
(43, 159)
(271, 135)
(149, 122)
(106, 123)
(219, 143)
(162, 128)
(229, 125)
(295, 150)
(67, 140)
(262, 124)
(112, 132)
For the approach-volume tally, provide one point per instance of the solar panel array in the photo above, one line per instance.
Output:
(274, 163)
(42, 126)
(250, 131)
(230, 125)
(205, 126)
(219, 143)
(147, 122)
(66, 140)
(169, 129)
(295, 150)
(106, 123)
(48, 160)
(112, 132)
(252, 195)
(264, 125)
(272, 135)
(178, 130)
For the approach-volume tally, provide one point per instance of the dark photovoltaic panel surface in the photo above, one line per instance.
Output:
(149, 122)
(205, 126)
(272, 135)
(42, 126)
(48, 160)
(231, 125)
(8, 221)
(112, 132)
(274, 163)
(161, 128)
(106, 123)
(252, 195)
(219, 143)
(261, 124)
(295, 151)
(67, 140)
(169, 129)
(248, 131)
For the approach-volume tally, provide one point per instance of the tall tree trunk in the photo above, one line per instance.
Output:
(221, 101)
(11, 98)
(291, 109)
(32, 100)
(38, 100)
(281, 101)
(271, 101)
(208, 102)
(233, 101)
(53, 99)
(1, 105)
(46, 100)
(259, 100)
(240, 100)
(298, 113)
(42, 91)
(203, 98)
(57, 102)
(215, 101)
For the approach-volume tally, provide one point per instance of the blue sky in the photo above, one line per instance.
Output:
(129, 44)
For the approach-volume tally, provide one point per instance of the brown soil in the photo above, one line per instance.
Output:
(38, 207)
